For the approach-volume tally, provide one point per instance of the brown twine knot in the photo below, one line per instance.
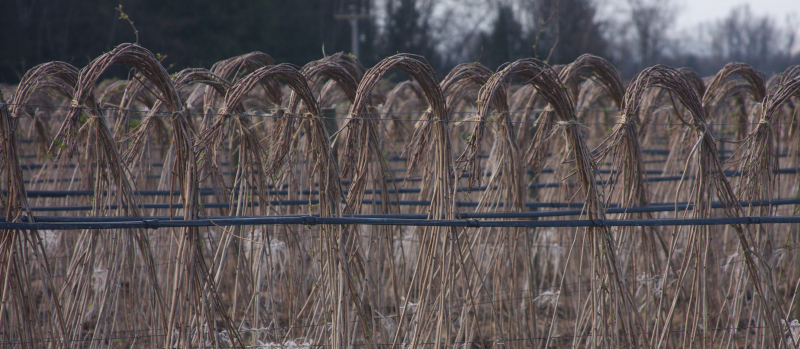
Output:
(703, 127)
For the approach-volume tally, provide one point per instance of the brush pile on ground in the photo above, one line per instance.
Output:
(250, 137)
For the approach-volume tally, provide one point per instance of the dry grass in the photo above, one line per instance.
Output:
(213, 137)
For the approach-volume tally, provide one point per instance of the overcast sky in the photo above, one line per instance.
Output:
(693, 12)
(456, 19)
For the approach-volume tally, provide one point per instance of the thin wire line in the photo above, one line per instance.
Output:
(535, 111)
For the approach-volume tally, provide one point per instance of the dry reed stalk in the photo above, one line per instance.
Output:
(108, 160)
(629, 175)
(431, 142)
(653, 100)
(624, 140)
(404, 102)
(362, 144)
(554, 91)
(591, 95)
(791, 109)
(315, 71)
(694, 79)
(400, 92)
(59, 76)
(331, 94)
(368, 144)
(603, 74)
(779, 79)
(344, 72)
(155, 121)
(504, 189)
(340, 73)
(723, 89)
(251, 152)
(596, 68)
(520, 97)
(420, 71)
(754, 79)
(417, 67)
(235, 68)
(671, 83)
(136, 90)
(349, 245)
(16, 293)
(463, 286)
(507, 174)
(137, 94)
(113, 94)
(597, 73)
(64, 78)
(761, 148)
(190, 267)
(340, 274)
(709, 177)
(733, 106)
(537, 133)
(349, 62)
(249, 181)
(454, 85)
(193, 278)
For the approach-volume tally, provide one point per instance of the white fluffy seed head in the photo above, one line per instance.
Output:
(407, 248)
(257, 251)
(99, 278)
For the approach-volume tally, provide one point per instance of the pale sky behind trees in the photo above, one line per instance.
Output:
(693, 12)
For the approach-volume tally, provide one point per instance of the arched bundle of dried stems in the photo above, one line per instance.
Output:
(708, 180)
(604, 267)
(255, 153)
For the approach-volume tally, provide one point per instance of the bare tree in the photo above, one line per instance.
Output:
(408, 28)
(743, 36)
(570, 30)
(505, 42)
(651, 19)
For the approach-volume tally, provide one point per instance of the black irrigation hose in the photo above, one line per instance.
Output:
(602, 171)
(209, 191)
(659, 207)
(145, 223)
(389, 159)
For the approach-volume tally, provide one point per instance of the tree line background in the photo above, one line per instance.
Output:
(637, 34)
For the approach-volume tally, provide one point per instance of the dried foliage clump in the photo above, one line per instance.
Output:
(250, 141)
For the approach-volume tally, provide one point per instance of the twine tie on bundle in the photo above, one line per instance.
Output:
(703, 127)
